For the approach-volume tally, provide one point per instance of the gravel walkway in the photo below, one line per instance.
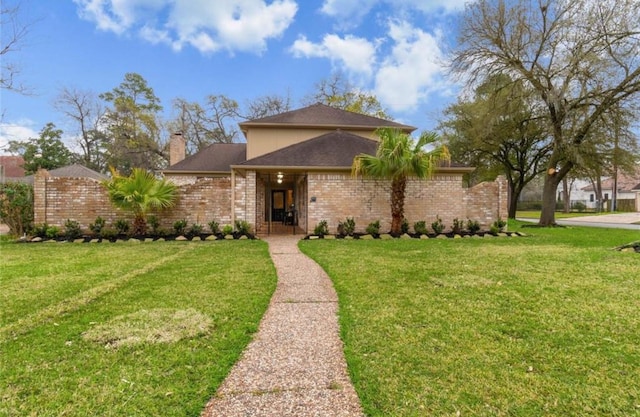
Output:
(295, 365)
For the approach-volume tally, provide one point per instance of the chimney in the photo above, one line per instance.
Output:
(176, 148)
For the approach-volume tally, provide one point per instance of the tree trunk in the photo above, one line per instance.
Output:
(565, 195)
(548, 214)
(398, 186)
(514, 195)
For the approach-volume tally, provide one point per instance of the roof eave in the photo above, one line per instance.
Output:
(242, 125)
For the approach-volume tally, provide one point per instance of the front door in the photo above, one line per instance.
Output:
(277, 205)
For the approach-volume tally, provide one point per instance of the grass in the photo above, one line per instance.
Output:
(541, 325)
(533, 214)
(124, 329)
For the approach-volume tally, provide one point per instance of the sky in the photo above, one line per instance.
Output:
(396, 50)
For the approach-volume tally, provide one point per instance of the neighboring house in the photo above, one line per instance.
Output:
(71, 171)
(295, 168)
(628, 189)
(11, 168)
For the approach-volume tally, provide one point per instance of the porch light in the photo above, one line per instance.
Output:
(280, 177)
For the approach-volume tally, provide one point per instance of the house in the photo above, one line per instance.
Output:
(11, 168)
(295, 169)
(628, 189)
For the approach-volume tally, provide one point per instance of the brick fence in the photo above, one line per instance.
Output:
(325, 196)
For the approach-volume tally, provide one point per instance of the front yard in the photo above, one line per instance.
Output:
(125, 329)
(540, 325)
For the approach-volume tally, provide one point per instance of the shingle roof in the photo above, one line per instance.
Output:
(217, 157)
(12, 165)
(626, 183)
(71, 171)
(334, 149)
(321, 115)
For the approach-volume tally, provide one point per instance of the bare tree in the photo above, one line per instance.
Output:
(268, 105)
(84, 109)
(13, 34)
(579, 56)
(336, 91)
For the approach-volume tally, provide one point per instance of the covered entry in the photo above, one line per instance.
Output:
(281, 198)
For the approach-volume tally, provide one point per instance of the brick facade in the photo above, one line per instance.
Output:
(318, 196)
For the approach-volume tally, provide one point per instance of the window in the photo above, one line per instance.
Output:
(591, 198)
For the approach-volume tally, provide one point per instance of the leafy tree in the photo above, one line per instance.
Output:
(16, 207)
(339, 93)
(498, 132)
(85, 110)
(133, 126)
(140, 193)
(399, 157)
(47, 151)
(578, 56)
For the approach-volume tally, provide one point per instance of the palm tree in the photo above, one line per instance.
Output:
(399, 157)
(140, 193)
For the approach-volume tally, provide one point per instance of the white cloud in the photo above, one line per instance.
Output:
(209, 26)
(355, 55)
(20, 130)
(414, 68)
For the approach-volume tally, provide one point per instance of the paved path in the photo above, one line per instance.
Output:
(295, 365)
(612, 221)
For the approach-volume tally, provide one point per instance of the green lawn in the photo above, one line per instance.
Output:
(125, 329)
(542, 325)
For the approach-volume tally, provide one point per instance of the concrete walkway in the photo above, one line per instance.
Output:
(295, 365)
(612, 221)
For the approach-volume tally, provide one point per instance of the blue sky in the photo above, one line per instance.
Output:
(244, 49)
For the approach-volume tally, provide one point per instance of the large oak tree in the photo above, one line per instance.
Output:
(579, 56)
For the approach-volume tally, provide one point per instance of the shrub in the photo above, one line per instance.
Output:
(321, 228)
(494, 229)
(214, 227)
(227, 230)
(195, 229)
(458, 226)
(437, 226)
(52, 232)
(500, 224)
(579, 206)
(373, 228)
(154, 222)
(109, 233)
(420, 227)
(97, 226)
(40, 230)
(473, 226)
(72, 229)
(16, 207)
(122, 226)
(243, 227)
(348, 227)
(404, 227)
(180, 226)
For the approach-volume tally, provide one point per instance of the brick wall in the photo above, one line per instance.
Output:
(84, 199)
(338, 196)
(319, 196)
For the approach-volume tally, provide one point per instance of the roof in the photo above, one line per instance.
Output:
(217, 157)
(334, 149)
(70, 171)
(321, 115)
(12, 165)
(626, 183)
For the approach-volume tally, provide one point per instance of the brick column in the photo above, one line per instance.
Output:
(40, 196)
